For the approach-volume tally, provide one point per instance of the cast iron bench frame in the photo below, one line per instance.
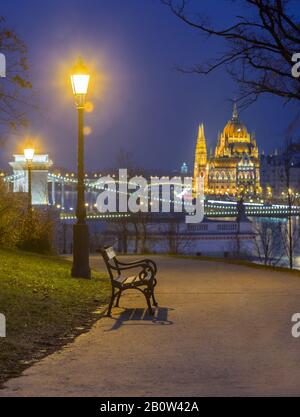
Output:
(144, 281)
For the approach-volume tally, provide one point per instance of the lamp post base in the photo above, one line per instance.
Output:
(81, 251)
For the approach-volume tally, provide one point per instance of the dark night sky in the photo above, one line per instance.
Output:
(141, 103)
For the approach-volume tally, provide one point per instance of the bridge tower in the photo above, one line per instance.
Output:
(39, 168)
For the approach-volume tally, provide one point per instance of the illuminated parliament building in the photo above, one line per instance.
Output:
(233, 168)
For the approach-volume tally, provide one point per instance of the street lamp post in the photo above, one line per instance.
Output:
(80, 81)
(29, 154)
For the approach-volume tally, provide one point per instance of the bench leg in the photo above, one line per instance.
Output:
(118, 298)
(111, 302)
(147, 294)
(153, 297)
(154, 300)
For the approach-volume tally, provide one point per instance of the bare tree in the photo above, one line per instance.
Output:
(131, 230)
(14, 89)
(140, 222)
(259, 46)
(290, 234)
(135, 226)
(98, 240)
(177, 239)
(267, 243)
(290, 240)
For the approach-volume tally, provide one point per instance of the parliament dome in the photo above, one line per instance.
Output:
(234, 127)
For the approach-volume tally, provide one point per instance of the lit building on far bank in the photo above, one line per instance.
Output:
(39, 174)
(273, 174)
(233, 169)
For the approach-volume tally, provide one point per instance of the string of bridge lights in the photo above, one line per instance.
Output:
(214, 207)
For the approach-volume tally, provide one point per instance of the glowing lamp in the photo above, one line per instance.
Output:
(29, 154)
(80, 78)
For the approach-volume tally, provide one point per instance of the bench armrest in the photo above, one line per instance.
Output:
(144, 266)
(145, 270)
(149, 262)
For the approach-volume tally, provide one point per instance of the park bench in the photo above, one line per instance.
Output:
(143, 278)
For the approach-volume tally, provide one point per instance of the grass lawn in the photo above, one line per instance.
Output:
(44, 307)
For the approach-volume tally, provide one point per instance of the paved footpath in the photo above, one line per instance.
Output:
(220, 330)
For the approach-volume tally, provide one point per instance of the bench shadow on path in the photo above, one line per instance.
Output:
(141, 316)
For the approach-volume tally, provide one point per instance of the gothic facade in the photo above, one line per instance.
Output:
(233, 168)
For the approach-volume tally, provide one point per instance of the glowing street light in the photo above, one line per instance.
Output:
(29, 154)
(80, 81)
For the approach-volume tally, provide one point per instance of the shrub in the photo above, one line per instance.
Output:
(19, 228)
(35, 233)
(11, 210)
